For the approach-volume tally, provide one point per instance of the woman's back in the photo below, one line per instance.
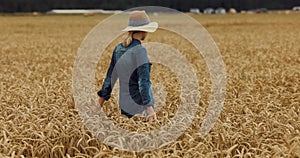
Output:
(133, 70)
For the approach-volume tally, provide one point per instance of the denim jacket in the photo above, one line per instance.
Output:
(131, 65)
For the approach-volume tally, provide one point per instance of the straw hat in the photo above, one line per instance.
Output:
(139, 21)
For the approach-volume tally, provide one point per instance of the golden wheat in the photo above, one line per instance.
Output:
(260, 117)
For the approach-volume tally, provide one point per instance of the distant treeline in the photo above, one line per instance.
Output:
(181, 5)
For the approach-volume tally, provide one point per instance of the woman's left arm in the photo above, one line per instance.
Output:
(109, 81)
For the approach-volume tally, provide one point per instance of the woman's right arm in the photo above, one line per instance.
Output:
(143, 71)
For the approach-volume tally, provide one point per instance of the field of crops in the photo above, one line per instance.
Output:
(260, 117)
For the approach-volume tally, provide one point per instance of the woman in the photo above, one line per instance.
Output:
(131, 65)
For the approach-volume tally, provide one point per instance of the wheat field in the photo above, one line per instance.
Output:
(260, 117)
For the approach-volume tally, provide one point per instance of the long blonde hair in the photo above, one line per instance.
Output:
(128, 39)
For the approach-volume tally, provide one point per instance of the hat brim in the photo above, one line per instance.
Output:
(151, 27)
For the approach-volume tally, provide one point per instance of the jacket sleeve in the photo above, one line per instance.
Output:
(143, 71)
(109, 80)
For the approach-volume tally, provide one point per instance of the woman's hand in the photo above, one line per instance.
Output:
(101, 102)
(152, 115)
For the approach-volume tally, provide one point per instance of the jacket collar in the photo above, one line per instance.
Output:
(135, 42)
